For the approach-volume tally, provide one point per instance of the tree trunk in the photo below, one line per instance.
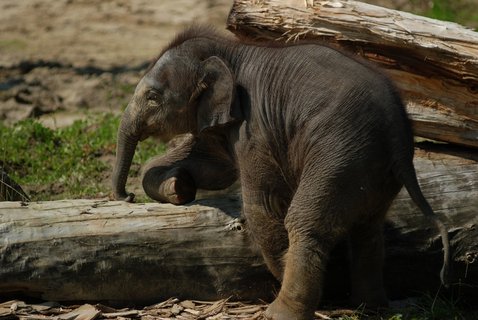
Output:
(434, 63)
(100, 250)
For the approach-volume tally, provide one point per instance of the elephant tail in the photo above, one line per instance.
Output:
(409, 179)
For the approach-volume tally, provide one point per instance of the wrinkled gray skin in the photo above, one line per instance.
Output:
(320, 142)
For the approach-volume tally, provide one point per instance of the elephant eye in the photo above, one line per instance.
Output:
(152, 95)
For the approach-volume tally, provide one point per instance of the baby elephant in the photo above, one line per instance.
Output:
(320, 142)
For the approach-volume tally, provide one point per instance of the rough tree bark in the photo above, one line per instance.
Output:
(101, 250)
(434, 63)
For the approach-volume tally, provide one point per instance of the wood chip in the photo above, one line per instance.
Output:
(7, 304)
(35, 317)
(46, 307)
(6, 314)
(322, 316)
(246, 309)
(171, 309)
(105, 309)
(188, 304)
(192, 311)
(215, 308)
(128, 314)
(176, 309)
(168, 303)
(85, 312)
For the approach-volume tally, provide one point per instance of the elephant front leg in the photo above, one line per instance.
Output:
(270, 235)
(199, 163)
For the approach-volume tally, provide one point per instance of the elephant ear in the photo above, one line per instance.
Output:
(218, 104)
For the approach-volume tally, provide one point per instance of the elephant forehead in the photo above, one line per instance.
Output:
(165, 59)
(150, 80)
(146, 83)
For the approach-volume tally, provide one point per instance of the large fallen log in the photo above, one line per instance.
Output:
(434, 63)
(116, 251)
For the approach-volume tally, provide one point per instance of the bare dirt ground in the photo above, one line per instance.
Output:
(69, 58)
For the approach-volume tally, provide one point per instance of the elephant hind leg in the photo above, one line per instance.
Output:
(366, 251)
(314, 226)
(366, 247)
(301, 285)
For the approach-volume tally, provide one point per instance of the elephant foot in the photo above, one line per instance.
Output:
(178, 189)
(278, 310)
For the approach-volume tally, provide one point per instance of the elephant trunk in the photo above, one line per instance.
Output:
(125, 148)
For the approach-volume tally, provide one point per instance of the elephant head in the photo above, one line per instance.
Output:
(179, 94)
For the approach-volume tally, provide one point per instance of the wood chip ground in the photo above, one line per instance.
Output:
(170, 309)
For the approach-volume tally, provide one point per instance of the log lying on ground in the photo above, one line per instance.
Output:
(434, 63)
(101, 250)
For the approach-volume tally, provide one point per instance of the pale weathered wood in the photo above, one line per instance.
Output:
(102, 250)
(434, 63)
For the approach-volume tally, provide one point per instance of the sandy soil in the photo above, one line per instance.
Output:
(69, 58)
(102, 33)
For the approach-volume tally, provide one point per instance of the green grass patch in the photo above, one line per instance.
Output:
(71, 162)
(460, 11)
